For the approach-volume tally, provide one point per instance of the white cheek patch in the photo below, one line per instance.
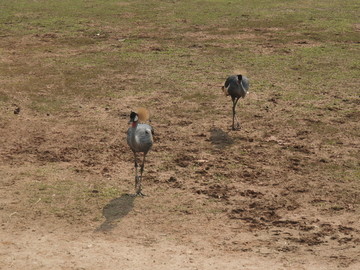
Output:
(136, 118)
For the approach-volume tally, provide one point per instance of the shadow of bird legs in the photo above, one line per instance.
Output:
(115, 210)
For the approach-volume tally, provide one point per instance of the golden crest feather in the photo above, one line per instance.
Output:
(143, 114)
(241, 71)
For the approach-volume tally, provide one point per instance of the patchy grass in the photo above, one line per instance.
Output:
(79, 58)
(76, 69)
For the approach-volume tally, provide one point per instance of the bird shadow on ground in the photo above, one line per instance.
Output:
(220, 138)
(115, 210)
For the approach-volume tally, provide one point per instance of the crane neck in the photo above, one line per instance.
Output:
(134, 124)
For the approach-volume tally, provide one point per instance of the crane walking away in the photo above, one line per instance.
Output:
(237, 86)
(140, 140)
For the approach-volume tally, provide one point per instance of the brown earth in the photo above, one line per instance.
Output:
(272, 195)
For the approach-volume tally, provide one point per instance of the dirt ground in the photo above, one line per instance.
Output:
(271, 206)
(280, 193)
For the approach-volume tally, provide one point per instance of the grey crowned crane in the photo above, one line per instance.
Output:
(237, 86)
(140, 140)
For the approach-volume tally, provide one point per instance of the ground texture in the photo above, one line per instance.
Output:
(282, 192)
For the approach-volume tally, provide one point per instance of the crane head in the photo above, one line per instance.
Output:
(133, 117)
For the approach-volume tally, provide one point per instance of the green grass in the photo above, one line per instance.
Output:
(66, 50)
(4, 97)
(93, 28)
(68, 198)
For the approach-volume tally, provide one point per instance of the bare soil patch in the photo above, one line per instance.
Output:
(220, 198)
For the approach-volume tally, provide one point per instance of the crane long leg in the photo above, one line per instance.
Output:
(233, 111)
(235, 100)
(136, 171)
(138, 191)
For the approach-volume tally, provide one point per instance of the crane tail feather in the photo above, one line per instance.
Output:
(225, 90)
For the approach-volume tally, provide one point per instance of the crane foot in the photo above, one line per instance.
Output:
(237, 127)
(140, 194)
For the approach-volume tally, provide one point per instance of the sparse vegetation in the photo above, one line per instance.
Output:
(71, 71)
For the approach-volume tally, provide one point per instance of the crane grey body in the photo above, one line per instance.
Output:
(237, 86)
(140, 140)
